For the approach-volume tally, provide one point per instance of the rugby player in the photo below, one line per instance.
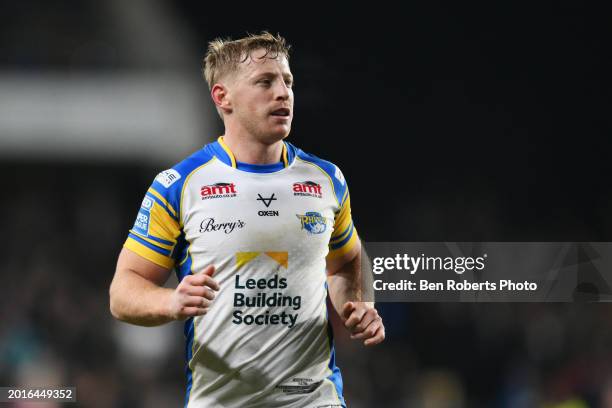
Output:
(260, 233)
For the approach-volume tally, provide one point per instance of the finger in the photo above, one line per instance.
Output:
(209, 270)
(197, 301)
(201, 279)
(195, 290)
(370, 316)
(211, 283)
(369, 331)
(347, 309)
(378, 337)
(193, 311)
(201, 291)
(196, 279)
(355, 318)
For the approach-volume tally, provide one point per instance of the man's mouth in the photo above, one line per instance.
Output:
(281, 112)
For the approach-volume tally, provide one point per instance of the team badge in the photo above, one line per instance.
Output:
(313, 222)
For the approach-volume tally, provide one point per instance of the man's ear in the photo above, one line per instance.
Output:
(220, 97)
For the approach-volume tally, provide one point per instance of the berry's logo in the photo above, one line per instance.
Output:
(218, 190)
(210, 225)
(313, 222)
(307, 189)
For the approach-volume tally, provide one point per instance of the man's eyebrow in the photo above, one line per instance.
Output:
(265, 74)
(270, 74)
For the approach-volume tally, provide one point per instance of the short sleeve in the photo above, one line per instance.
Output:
(344, 235)
(156, 230)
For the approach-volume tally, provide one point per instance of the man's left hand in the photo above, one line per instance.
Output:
(363, 321)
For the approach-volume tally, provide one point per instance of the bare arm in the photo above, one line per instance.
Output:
(137, 295)
(344, 278)
(349, 287)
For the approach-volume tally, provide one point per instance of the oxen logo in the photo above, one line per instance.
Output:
(266, 201)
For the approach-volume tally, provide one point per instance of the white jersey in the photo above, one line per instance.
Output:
(266, 340)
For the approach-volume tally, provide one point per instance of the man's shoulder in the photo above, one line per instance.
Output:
(193, 162)
(330, 169)
(172, 179)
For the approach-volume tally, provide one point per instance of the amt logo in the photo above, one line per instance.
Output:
(307, 189)
(218, 190)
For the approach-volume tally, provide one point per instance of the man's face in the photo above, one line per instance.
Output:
(261, 97)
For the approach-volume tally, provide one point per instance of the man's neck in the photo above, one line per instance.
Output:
(248, 150)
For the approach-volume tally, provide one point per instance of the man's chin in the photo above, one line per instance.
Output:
(277, 134)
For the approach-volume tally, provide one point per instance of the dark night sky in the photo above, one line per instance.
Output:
(453, 122)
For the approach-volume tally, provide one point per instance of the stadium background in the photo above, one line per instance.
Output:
(450, 122)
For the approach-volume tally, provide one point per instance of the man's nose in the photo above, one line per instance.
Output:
(282, 91)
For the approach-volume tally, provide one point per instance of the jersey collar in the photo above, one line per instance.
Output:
(223, 153)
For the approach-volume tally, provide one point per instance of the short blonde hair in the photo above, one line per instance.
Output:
(224, 55)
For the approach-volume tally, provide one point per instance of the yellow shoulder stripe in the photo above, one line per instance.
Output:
(148, 253)
(163, 200)
(334, 253)
(343, 218)
(152, 242)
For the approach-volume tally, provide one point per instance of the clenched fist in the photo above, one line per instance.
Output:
(364, 322)
(194, 295)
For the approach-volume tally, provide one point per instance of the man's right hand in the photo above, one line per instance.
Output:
(194, 295)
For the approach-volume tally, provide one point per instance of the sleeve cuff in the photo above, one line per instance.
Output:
(148, 253)
(344, 249)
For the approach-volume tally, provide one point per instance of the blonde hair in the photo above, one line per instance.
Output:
(224, 55)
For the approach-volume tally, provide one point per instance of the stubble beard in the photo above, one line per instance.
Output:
(263, 132)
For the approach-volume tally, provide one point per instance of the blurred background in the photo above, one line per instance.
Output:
(451, 122)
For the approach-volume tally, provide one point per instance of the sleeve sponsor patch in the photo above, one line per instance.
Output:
(147, 203)
(168, 177)
(141, 225)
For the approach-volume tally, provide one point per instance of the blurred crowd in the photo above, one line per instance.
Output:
(496, 129)
(64, 226)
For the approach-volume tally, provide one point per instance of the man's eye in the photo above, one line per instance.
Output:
(264, 81)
